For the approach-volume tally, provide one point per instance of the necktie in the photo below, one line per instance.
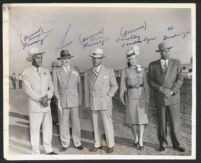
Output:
(165, 65)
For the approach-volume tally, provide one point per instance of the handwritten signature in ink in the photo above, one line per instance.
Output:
(37, 37)
(134, 39)
(170, 28)
(97, 38)
(126, 32)
(175, 35)
(62, 43)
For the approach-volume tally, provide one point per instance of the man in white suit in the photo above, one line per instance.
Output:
(68, 91)
(100, 87)
(39, 88)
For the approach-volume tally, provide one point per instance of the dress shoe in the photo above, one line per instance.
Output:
(52, 153)
(95, 149)
(63, 149)
(79, 147)
(180, 149)
(135, 144)
(162, 149)
(110, 150)
(141, 148)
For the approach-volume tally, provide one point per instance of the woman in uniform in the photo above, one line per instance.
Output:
(134, 93)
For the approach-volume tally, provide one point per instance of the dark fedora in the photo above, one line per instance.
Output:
(65, 54)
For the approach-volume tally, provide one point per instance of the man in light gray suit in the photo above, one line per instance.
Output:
(100, 87)
(68, 90)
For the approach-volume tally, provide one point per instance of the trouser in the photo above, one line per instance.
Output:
(20, 84)
(64, 126)
(174, 111)
(106, 116)
(36, 120)
(14, 84)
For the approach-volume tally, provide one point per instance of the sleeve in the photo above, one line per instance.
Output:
(179, 78)
(28, 88)
(113, 84)
(55, 83)
(79, 85)
(146, 85)
(151, 80)
(123, 88)
(86, 90)
(50, 87)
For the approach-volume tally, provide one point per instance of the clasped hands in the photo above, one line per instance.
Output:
(166, 91)
(44, 101)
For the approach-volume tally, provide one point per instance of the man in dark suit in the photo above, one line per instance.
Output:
(165, 77)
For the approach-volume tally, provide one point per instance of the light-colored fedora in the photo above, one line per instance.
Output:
(162, 46)
(135, 51)
(64, 54)
(32, 52)
(98, 53)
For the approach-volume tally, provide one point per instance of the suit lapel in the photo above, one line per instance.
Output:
(36, 74)
(168, 71)
(160, 72)
(99, 77)
(92, 76)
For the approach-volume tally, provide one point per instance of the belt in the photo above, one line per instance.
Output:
(132, 87)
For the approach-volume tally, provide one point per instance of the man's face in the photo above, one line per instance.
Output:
(96, 61)
(66, 62)
(37, 60)
(165, 54)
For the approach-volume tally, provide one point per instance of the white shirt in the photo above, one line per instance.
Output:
(164, 63)
(66, 69)
(97, 69)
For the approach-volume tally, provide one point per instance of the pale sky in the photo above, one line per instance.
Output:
(68, 25)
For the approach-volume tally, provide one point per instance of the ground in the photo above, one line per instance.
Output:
(19, 139)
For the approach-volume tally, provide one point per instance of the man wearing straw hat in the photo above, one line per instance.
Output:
(165, 77)
(100, 87)
(68, 91)
(39, 88)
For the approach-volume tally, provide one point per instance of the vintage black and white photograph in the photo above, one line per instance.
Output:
(99, 81)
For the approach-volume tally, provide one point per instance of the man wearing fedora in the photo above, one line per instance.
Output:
(165, 77)
(100, 87)
(39, 88)
(68, 90)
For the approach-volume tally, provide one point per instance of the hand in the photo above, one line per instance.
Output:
(168, 93)
(44, 101)
(122, 101)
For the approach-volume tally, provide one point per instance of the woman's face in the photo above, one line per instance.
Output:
(132, 60)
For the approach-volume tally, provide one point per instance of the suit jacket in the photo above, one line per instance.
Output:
(172, 79)
(67, 87)
(100, 90)
(37, 85)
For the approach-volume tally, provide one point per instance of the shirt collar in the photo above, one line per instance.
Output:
(163, 61)
(36, 69)
(97, 69)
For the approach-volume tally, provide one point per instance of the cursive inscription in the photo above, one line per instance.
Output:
(126, 32)
(134, 39)
(36, 37)
(171, 36)
(93, 39)
(63, 42)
